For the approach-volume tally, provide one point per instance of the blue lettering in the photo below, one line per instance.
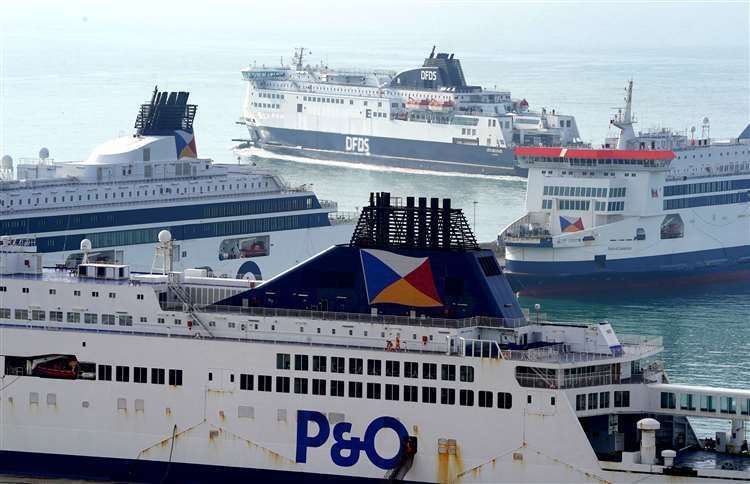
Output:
(303, 439)
(353, 445)
(372, 430)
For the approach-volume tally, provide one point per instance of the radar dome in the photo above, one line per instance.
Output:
(705, 120)
(85, 245)
(6, 163)
(165, 236)
(43, 154)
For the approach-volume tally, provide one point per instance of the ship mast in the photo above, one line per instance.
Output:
(624, 121)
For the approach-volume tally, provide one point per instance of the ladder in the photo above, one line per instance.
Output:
(175, 288)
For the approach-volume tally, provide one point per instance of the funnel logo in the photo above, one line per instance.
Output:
(185, 143)
(568, 224)
(397, 279)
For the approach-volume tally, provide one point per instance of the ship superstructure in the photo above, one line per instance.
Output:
(644, 208)
(401, 355)
(426, 118)
(231, 219)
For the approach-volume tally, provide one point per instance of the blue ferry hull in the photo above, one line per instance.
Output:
(390, 152)
(60, 466)
(701, 267)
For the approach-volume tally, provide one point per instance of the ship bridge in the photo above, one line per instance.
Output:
(531, 156)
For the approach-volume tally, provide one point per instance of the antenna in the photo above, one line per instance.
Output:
(164, 252)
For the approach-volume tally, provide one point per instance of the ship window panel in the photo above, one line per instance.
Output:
(355, 366)
(593, 403)
(580, 402)
(300, 362)
(708, 403)
(504, 400)
(429, 371)
(447, 396)
(37, 315)
(337, 388)
(140, 374)
(122, 373)
(5, 313)
(603, 399)
(300, 386)
(622, 399)
(104, 372)
(373, 391)
(485, 399)
(374, 367)
(157, 376)
(411, 369)
(282, 384)
(448, 372)
(391, 392)
(337, 364)
(318, 386)
(728, 405)
(175, 377)
(319, 363)
(74, 317)
(466, 398)
(355, 389)
(265, 383)
(246, 381)
(466, 373)
(392, 368)
(283, 361)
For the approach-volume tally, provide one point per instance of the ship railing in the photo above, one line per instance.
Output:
(338, 218)
(393, 320)
(525, 228)
(330, 204)
(562, 353)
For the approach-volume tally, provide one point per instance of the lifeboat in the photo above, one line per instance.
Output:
(58, 367)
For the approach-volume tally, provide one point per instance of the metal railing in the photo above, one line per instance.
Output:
(354, 317)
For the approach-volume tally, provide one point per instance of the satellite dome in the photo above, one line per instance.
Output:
(6, 163)
(43, 154)
(705, 120)
(85, 245)
(165, 236)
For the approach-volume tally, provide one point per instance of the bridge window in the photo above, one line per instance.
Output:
(687, 401)
(668, 400)
(622, 399)
(707, 403)
(728, 405)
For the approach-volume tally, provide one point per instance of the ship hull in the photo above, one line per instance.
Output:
(688, 268)
(388, 152)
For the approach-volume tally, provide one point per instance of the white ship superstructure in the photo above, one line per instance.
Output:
(232, 219)
(644, 208)
(403, 355)
(424, 118)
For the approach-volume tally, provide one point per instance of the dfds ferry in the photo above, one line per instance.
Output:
(402, 355)
(426, 118)
(230, 219)
(643, 209)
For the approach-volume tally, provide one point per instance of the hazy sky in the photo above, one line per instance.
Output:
(598, 24)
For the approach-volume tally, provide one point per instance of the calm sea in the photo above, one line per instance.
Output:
(70, 89)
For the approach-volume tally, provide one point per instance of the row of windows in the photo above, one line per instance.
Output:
(183, 232)
(374, 391)
(110, 194)
(615, 206)
(70, 317)
(705, 187)
(140, 375)
(583, 192)
(469, 131)
(706, 403)
(597, 400)
(267, 105)
(270, 95)
(156, 215)
(329, 100)
(692, 202)
(356, 366)
(564, 204)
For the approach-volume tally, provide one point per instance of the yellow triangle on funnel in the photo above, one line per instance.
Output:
(403, 293)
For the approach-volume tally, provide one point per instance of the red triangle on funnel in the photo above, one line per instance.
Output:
(421, 278)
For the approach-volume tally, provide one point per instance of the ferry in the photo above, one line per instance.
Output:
(230, 219)
(648, 209)
(424, 118)
(402, 355)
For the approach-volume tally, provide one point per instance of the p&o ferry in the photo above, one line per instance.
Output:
(643, 209)
(401, 355)
(230, 219)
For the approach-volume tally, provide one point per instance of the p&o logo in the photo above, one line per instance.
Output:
(357, 144)
(346, 449)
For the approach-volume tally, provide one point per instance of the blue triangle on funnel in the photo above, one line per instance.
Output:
(378, 275)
